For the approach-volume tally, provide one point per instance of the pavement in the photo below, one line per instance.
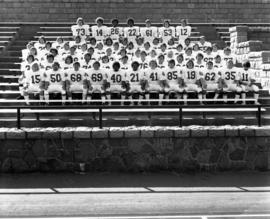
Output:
(143, 195)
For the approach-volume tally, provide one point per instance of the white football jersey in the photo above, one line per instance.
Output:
(99, 33)
(55, 77)
(183, 32)
(149, 33)
(230, 75)
(131, 33)
(204, 46)
(82, 31)
(115, 32)
(166, 33)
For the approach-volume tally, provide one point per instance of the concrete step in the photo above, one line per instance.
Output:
(10, 65)
(9, 86)
(16, 48)
(9, 78)
(9, 28)
(17, 53)
(7, 33)
(10, 59)
(10, 72)
(9, 94)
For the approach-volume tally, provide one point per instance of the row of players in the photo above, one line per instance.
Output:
(131, 31)
(171, 79)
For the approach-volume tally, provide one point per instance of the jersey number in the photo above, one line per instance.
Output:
(154, 76)
(244, 77)
(183, 32)
(134, 77)
(191, 75)
(149, 33)
(116, 78)
(114, 31)
(168, 32)
(132, 32)
(172, 75)
(55, 78)
(210, 76)
(75, 77)
(35, 79)
(96, 77)
(81, 32)
(230, 75)
(99, 32)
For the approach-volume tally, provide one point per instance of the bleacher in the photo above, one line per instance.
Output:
(18, 35)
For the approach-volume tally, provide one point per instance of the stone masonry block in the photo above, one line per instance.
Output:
(100, 133)
(182, 133)
(164, 133)
(262, 132)
(16, 134)
(199, 133)
(231, 132)
(66, 135)
(50, 135)
(116, 133)
(147, 133)
(132, 133)
(81, 134)
(247, 132)
(216, 132)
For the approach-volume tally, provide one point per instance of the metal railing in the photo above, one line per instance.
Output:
(177, 105)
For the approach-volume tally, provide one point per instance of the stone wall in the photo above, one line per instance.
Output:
(252, 11)
(135, 149)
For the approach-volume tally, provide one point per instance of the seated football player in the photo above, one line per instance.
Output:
(105, 62)
(131, 32)
(37, 56)
(100, 49)
(110, 54)
(26, 66)
(161, 61)
(123, 42)
(144, 60)
(26, 52)
(155, 44)
(115, 31)
(125, 63)
(153, 54)
(166, 32)
(40, 44)
(54, 82)
(77, 42)
(179, 49)
(155, 81)
(183, 31)
(208, 56)
(116, 48)
(247, 81)
(149, 33)
(187, 43)
(117, 79)
(188, 55)
(135, 81)
(68, 63)
(91, 51)
(230, 81)
(139, 42)
(203, 44)
(215, 50)
(98, 80)
(211, 78)
(74, 54)
(65, 51)
(57, 57)
(180, 61)
(130, 49)
(147, 47)
(217, 63)
(173, 78)
(227, 55)
(47, 50)
(59, 43)
(76, 81)
(81, 29)
(32, 82)
(92, 42)
(199, 64)
(191, 79)
(137, 56)
(171, 44)
(196, 49)
(47, 64)
(81, 52)
(163, 49)
(99, 31)
(86, 63)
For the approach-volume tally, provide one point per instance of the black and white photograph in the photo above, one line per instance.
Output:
(135, 109)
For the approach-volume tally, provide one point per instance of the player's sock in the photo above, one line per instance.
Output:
(200, 96)
(147, 96)
(103, 98)
(84, 96)
(243, 97)
(237, 97)
(160, 97)
(26, 97)
(225, 97)
(46, 97)
(63, 98)
(256, 97)
(216, 97)
(185, 99)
